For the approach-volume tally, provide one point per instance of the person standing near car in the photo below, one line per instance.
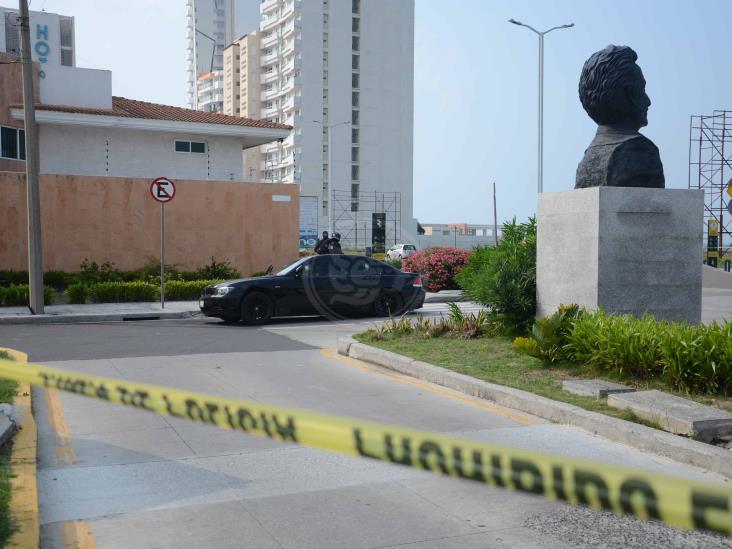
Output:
(321, 246)
(334, 244)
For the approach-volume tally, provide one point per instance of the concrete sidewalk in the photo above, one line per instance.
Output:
(106, 312)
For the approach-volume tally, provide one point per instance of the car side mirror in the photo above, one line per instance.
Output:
(297, 273)
(269, 270)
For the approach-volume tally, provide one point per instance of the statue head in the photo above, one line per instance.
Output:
(612, 88)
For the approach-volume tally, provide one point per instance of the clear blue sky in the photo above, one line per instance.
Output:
(475, 84)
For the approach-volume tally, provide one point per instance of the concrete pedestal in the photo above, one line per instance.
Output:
(626, 250)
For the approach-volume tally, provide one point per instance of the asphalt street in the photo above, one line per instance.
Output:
(116, 477)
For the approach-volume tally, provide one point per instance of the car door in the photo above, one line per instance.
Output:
(289, 292)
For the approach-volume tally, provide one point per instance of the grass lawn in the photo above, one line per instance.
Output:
(7, 393)
(493, 359)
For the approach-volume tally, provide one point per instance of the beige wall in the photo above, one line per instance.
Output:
(115, 219)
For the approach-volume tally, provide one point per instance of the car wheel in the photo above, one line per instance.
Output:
(256, 308)
(388, 304)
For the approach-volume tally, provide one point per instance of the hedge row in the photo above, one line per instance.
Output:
(125, 292)
(18, 295)
(691, 358)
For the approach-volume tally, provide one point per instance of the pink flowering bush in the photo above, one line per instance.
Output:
(438, 267)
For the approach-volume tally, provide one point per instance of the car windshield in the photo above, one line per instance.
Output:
(294, 265)
(409, 247)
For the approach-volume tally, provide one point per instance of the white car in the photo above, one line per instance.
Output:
(401, 251)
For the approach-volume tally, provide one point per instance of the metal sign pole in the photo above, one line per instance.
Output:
(162, 255)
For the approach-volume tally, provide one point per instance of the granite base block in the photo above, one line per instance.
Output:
(626, 250)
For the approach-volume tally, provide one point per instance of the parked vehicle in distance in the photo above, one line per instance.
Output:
(329, 285)
(401, 251)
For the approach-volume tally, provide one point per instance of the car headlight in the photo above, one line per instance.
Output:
(221, 291)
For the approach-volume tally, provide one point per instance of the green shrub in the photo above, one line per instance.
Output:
(217, 271)
(180, 290)
(17, 295)
(550, 335)
(504, 277)
(92, 273)
(121, 292)
(698, 358)
(621, 343)
(78, 293)
(257, 274)
(694, 359)
(13, 277)
(58, 280)
(396, 263)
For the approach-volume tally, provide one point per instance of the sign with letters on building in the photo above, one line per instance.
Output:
(308, 221)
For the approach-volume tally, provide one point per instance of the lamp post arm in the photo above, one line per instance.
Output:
(558, 27)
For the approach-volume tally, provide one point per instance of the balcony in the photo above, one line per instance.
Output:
(292, 64)
(270, 22)
(290, 8)
(268, 77)
(269, 58)
(267, 95)
(291, 46)
(291, 103)
(270, 112)
(270, 40)
(291, 27)
(267, 5)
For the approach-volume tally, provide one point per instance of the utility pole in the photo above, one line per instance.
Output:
(495, 216)
(35, 245)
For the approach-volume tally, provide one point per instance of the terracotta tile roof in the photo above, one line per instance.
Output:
(130, 108)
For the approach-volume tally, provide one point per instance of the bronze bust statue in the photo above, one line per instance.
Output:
(613, 92)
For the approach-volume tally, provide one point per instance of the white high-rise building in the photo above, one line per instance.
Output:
(344, 66)
(210, 26)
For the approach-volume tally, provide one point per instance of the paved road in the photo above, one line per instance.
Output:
(114, 477)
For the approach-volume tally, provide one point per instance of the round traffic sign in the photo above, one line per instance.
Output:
(162, 189)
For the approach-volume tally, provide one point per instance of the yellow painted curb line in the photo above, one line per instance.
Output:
(24, 487)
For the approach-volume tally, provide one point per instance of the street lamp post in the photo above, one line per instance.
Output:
(331, 188)
(541, 93)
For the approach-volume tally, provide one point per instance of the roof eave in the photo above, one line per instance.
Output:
(145, 124)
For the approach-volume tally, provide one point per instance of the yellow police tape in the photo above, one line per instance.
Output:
(676, 501)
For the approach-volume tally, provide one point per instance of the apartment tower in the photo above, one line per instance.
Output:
(242, 93)
(210, 26)
(344, 67)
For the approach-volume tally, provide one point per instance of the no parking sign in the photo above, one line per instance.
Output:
(162, 190)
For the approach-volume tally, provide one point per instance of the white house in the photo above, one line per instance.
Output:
(84, 130)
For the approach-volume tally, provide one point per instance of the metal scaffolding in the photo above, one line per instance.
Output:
(352, 216)
(710, 169)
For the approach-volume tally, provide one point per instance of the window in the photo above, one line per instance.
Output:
(356, 24)
(13, 143)
(354, 154)
(356, 6)
(354, 197)
(355, 118)
(190, 146)
(354, 135)
(354, 99)
(355, 80)
(355, 43)
(354, 173)
(355, 62)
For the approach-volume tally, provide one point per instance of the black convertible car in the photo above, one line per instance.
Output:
(330, 285)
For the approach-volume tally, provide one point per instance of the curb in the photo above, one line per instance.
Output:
(23, 462)
(83, 319)
(637, 436)
(437, 298)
